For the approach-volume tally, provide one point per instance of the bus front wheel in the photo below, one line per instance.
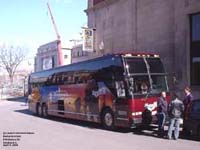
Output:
(107, 119)
(45, 111)
(39, 109)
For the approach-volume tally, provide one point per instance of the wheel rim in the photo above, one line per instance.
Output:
(108, 119)
(39, 110)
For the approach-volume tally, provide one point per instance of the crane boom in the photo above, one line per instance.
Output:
(53, 22)
(60, 56)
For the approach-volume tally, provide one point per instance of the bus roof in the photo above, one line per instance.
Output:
(79, 66)
(86, 65)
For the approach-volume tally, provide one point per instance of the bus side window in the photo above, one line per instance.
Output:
(60, 78)
(56, 79)
(49, 81)
(120, 87)
(76, 79)
(64, 78)
(70, 79)
(53, 80)
(84, 78)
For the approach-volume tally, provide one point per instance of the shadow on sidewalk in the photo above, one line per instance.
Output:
(17, 99)
(153, 132)
(80, 123)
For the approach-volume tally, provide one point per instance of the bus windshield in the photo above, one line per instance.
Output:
(159, 83)
(145, 75)
(138, 65)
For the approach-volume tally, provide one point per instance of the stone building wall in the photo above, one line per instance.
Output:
(158, 26)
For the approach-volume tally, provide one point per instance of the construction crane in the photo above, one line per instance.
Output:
(60, 55)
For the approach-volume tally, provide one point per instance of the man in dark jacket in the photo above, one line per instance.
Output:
(162, 111)
(175, 110)
(187, 101)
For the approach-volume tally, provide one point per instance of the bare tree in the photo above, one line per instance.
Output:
(10, 59)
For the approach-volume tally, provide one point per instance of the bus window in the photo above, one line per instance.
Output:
(64, 78)
(59, 78)
(140, 84)
(49, 80)
(120, 88)
(136, 65)
(159, 83)
(70, 79)
(144, 87)
(78, 79)
(53, 79)
(155, 65)
(118, 73)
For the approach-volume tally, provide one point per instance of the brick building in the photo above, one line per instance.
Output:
(170, 28)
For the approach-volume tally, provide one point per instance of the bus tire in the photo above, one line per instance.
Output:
(40, 110)
(37, 109)
(45, 111)
(107, 119)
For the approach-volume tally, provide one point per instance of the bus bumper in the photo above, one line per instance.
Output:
(135, 122)
(128, 123)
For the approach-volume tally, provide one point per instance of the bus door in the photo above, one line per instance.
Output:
(91, 97)
(61, 107)
(121, 104)
(56, 102)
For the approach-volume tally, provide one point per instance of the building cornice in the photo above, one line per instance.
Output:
(100, 5)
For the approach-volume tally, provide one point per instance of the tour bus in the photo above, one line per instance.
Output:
(114, 90)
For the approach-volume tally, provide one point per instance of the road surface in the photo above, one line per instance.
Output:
(20, 130)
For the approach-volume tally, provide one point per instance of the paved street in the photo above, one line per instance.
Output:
(33, 133)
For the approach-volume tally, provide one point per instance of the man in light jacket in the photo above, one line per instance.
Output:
(175, 111)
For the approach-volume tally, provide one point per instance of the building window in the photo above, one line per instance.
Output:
(65, 56)
(53, 61)
(195, 49)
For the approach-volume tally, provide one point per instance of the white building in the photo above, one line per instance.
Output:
(47, 56)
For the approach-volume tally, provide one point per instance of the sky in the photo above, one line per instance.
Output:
(28, 23)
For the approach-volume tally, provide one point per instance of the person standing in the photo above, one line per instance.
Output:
(162, 111)
(187, 101)
(175, 110)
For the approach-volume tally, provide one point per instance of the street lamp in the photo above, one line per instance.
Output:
(25, 77)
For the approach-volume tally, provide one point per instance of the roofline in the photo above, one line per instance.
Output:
(94, 59)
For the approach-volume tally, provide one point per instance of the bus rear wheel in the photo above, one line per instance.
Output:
(107, 119)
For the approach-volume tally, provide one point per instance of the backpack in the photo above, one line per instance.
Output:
(175, 109)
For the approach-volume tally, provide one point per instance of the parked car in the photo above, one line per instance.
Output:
(192, 121)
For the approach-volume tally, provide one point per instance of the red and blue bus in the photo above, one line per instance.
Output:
(113, 90)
